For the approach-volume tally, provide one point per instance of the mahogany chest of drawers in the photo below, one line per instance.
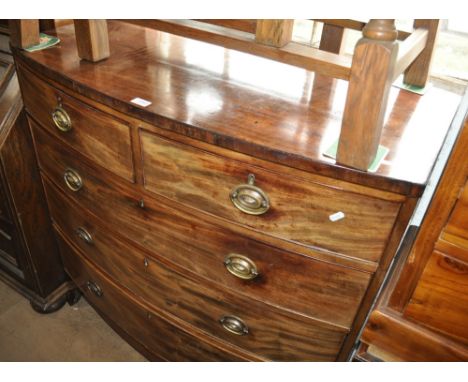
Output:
(202, 227)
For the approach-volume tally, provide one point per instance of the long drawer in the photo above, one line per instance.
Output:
(276, 204)
(318, 289)
(269, 332)
(102, 138)
(157, 334)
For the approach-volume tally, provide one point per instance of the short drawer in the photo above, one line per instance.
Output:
(158, 335)
(273, 203)
(99, 136)
(318, 289)
(268, 332)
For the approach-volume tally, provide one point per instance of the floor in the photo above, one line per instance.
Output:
(74, 333)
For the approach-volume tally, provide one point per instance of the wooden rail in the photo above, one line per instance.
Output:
(244, 25)
(379, 58)
(306, 57)
(410, 49)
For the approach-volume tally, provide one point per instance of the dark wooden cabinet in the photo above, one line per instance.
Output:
(29, 257)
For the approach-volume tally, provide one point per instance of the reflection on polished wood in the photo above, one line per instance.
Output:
(244, 97)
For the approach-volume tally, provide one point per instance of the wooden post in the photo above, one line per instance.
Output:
(418, 72)
(275, 33)
(369, 84)
(24, 33)
(92, 39)
(331, 39)
(46, 24)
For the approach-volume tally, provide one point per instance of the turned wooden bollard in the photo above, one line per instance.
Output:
(369, 84)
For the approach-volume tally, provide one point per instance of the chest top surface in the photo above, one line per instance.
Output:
(248, 104)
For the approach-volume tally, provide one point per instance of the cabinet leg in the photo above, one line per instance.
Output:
(45, 306)
(73, 296)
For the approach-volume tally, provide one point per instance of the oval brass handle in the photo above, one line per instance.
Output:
(84, 235)
(72, 180)
(249, 198)
(240, 266)
(94, 288)
(61, 119)
(234, 325)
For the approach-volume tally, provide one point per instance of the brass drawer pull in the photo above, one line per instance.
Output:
(84, 235)
(234, 325)
(94, 288)
(61, 119)
(249, 198)
(72, 180)
(240, 266)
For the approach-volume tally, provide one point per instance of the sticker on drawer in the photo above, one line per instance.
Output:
(140, 102)
(337, 216)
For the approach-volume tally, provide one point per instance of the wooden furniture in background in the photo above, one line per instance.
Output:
(29, 257)
(203, 225)
(423, 311)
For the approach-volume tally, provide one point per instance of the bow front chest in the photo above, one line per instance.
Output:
(208, 225)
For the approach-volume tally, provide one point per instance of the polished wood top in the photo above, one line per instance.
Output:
(249, 104)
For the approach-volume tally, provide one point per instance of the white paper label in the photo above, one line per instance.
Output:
(140, 102)
(337, 216)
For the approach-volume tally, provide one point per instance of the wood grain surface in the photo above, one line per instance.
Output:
(289, 280)
(100, 137)
(299, 212)
(440, 301)
(290, 122)
(158, 336)
(273, 334)
(410, 342)
(92, 39)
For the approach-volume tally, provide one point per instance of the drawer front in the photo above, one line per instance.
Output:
(268, 332)
(155, 333)
(325, 291)
(298, 211)
(99, 136)
(440, 300)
